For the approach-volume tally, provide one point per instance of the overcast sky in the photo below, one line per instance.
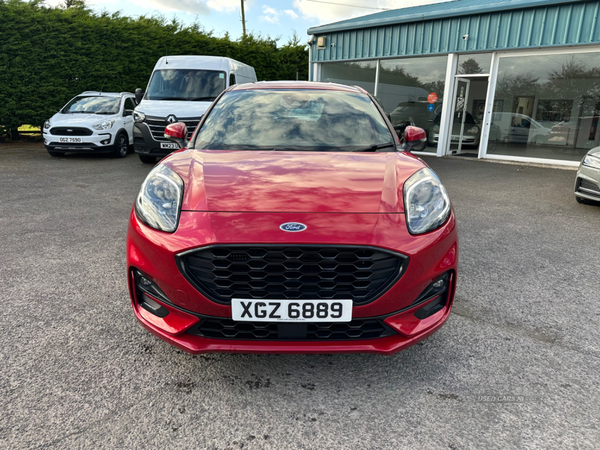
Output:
(274, 18)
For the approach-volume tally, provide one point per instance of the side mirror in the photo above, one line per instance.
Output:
(139, 94)
(176, 132)
(415, 139)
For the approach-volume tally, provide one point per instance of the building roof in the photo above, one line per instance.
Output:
(454, 8)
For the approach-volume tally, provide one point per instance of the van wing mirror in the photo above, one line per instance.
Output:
(139, 94)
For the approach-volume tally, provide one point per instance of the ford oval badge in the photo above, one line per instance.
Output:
(293, 227)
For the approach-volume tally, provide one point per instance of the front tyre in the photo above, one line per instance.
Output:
(121, 146)
(147, 159)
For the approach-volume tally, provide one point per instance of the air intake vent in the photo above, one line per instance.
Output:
(361, 274)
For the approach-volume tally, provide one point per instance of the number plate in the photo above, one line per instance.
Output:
(169, 145)
(291, 310)
(70, 140)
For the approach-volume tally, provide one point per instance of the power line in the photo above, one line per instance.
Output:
(346, 4)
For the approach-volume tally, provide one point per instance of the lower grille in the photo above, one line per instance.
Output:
(157, 127)
(585, 185)
(71, 131)
(279, 272)
(222, 328)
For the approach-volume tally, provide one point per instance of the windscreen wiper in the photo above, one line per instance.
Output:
(202, 99)
(373, 148)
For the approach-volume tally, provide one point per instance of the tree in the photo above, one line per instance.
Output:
(50, 54)
(470, 66)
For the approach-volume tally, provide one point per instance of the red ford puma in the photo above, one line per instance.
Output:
(294, 222)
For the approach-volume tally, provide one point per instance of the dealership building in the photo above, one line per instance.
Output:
(514, 80)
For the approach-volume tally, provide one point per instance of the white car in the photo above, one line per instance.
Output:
(92, 122)
(587, 182)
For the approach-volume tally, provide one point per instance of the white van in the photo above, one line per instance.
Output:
(181, 89)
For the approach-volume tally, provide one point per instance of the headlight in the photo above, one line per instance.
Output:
(138, 117)
(436, 128)
(46, 124)
(591, 161)
(106, 125)
(473, 130)
(426, 202)
(159, 202)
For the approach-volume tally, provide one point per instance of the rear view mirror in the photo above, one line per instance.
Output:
(414, 139)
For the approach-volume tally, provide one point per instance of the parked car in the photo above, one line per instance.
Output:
(471, 130)
(414, 113)
(92, 122)
(181, 88)
(587, 181)
(292, 223)
(515, 128)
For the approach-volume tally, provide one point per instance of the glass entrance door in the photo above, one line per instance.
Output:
(460, 118)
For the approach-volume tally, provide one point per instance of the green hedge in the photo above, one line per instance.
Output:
(49, 55)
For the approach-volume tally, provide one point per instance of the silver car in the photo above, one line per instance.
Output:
(587, 183)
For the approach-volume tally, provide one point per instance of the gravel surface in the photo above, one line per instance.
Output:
(516, 365)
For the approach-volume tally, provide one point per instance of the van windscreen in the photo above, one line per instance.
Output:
(186, 84)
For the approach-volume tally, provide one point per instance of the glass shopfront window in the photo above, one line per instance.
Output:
(474, 63)
(411, 91)
(358, 73)
(546, 106)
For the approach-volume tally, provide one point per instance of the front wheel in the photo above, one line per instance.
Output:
(147, 159)
(121, 146)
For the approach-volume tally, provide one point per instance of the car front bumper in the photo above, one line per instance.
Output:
(587, 183)
(145, 144)
(96, 143)
(185, 308)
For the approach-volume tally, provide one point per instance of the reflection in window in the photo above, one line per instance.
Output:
(93, 105)
(474, 63)
(185, 84)
(411, 90)
(548, 106)
(319, 120)
(358, 73)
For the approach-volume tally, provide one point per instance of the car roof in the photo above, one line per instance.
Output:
(106, 94)
(264, 85)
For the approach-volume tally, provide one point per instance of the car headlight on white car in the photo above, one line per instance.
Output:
(106, 125)
(591, 161)
(47, 124)
(473, 130)
(158, 204)
(426, 202)
(138, 117)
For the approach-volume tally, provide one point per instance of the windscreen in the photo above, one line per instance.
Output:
(185, 84)
(93, 105)
(293, 120)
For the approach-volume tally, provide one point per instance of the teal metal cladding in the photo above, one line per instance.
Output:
(572, 23)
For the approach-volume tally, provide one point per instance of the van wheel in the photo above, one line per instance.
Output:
(147, 159)
(56, 153)
(121, 146)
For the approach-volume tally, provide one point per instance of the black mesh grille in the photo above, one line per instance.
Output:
(157, 127)
(361, 274)
(70, 131)
(585, 184)
(218, 328)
